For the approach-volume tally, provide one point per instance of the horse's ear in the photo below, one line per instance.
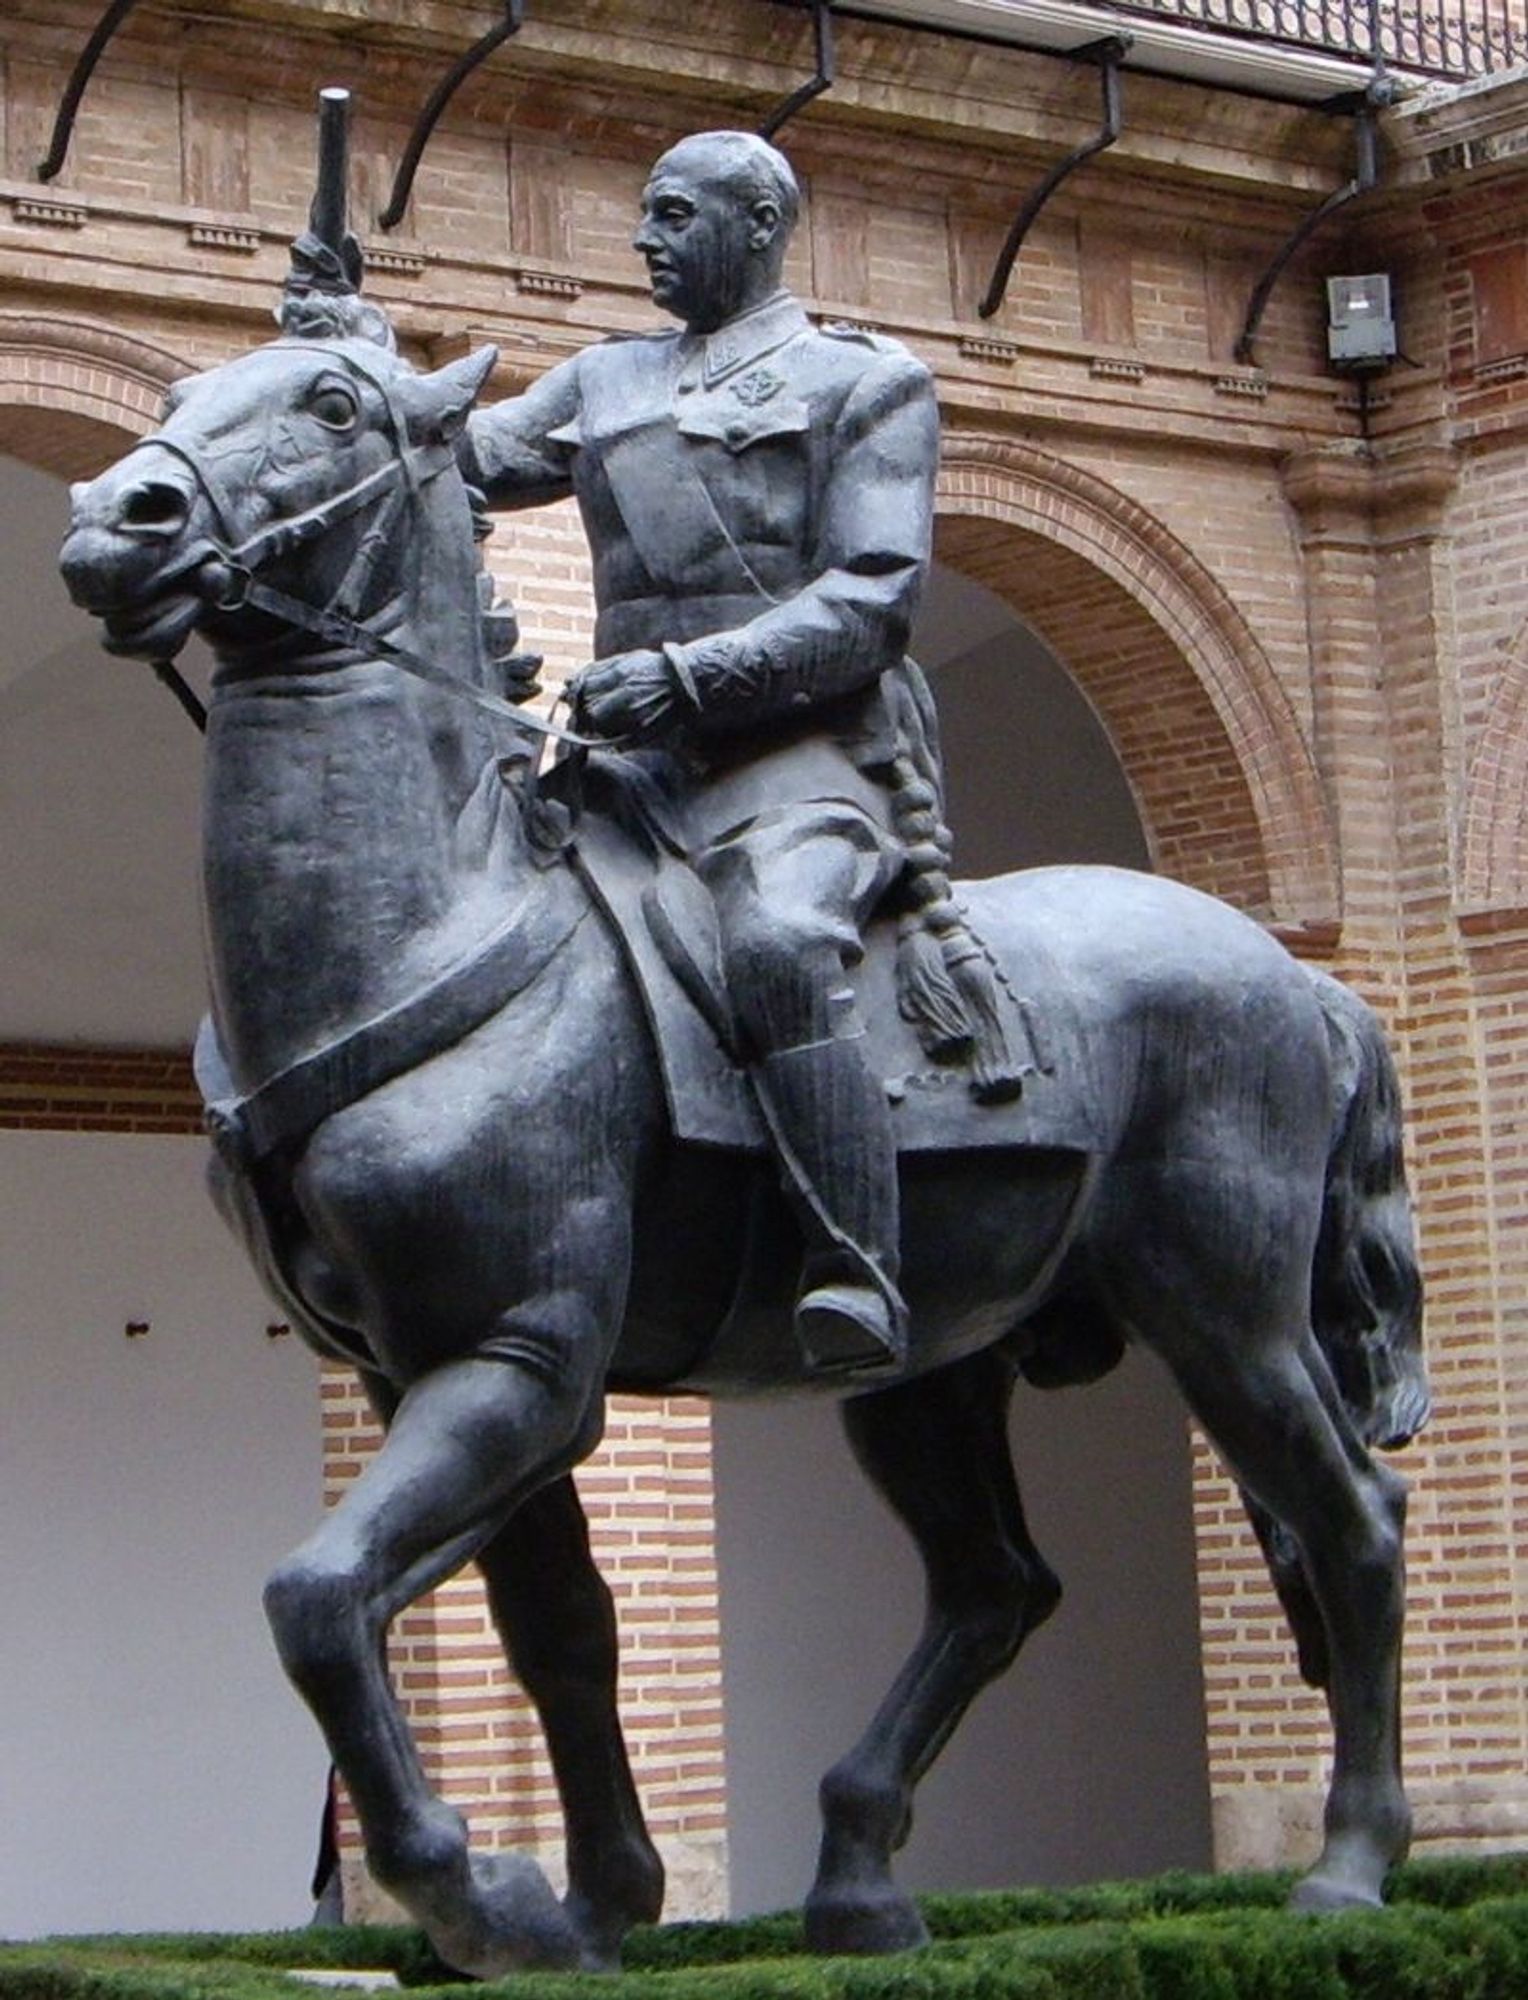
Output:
(437, 405)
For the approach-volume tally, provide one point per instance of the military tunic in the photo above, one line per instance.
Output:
(759, 503)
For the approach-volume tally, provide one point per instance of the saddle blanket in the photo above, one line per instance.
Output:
(667, 927)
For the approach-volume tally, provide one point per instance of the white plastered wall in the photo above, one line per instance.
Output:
(159, 1772)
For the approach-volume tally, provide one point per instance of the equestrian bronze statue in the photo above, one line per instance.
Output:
(676, 1063)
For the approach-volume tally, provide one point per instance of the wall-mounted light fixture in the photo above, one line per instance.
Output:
(1360, 325)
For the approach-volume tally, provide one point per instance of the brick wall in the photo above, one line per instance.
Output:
(1305, 627)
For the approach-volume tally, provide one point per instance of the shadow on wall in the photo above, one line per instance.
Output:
(1089, 1759)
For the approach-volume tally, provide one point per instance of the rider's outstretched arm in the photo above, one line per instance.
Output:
(519, 452)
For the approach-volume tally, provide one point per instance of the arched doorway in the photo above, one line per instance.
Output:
(159, 1771)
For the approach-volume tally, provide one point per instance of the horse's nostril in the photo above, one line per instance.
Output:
(155, 506)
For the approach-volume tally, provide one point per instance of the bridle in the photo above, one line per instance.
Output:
(237, 566)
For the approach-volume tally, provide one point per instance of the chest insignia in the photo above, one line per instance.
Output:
(758, 386)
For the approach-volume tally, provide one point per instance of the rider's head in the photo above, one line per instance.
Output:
(717, 214)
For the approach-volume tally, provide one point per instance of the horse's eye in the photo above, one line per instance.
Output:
(334, 407)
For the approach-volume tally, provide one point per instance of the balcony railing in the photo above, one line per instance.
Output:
(1442, 38)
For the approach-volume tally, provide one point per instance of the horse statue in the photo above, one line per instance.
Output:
(446, 1133)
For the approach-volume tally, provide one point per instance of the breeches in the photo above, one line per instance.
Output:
(793, 890)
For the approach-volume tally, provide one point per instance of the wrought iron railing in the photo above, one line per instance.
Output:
(1443, 38)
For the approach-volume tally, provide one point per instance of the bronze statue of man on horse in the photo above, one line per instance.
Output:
(476, 1068)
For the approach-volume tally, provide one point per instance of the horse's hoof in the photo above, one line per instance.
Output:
(514, 1924)
(1320, 1894)
(868, 1925)
(1350, 1873)
(601, 1936)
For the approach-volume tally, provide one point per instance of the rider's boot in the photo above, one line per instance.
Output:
(833, 1135)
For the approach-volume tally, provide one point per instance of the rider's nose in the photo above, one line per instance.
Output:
(154, 507)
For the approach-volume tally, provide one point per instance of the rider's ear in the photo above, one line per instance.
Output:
(437, 405)
(763, 223)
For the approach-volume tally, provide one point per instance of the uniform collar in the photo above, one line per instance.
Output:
(749, 337)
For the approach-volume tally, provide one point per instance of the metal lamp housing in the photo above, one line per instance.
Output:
(1360, 331)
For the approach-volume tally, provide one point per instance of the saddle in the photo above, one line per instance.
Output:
(631, 861)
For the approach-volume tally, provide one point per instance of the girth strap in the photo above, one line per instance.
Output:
(290, 1105)
(338, 629)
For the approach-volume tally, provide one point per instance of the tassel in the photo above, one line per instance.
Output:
(926, 995)
(997, 1071)
(946, 985)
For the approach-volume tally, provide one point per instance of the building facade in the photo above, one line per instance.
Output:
(1294, 599)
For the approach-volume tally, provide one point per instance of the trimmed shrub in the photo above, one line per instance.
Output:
(1456, 1930)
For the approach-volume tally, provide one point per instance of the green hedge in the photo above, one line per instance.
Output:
(1455, 1930)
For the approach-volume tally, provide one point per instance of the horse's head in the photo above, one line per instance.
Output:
(298, 463)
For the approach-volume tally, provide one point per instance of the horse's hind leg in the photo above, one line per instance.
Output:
(554, 1613)
(1276, 1418)
(937, 1450)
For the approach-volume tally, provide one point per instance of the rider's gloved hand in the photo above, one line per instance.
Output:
(632, 695)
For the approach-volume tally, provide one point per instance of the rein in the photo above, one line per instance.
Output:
(338, 628)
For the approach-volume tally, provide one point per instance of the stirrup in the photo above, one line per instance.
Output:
(849, 1329)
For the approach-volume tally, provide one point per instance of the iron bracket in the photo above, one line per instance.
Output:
(74, 90)
(1363, 107)
(1109, 54)
(822, 23)
(439, 98)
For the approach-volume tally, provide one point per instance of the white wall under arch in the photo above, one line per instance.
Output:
(159, 1772)
(158, 1769)
(1089, 1759)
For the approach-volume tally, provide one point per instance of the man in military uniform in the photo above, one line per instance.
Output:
(758, 498)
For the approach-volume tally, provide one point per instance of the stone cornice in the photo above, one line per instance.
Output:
(1452, 131)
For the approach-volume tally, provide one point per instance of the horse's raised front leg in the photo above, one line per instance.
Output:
(467, 1443)
(937, 1450)
(554, 1613)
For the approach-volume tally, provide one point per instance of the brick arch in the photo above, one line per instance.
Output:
(1224, 778)
(1493, 866)
(72, 391)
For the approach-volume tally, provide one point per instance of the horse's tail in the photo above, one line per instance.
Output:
(1366, 1288)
